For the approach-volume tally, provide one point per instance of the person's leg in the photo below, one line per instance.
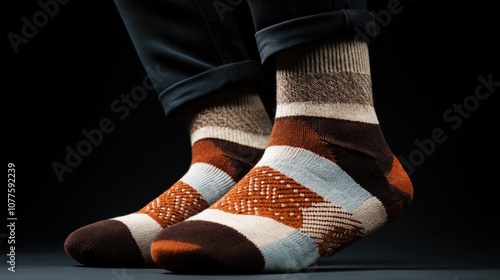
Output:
(327, 177)
(210, 79)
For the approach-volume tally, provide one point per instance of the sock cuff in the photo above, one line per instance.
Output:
(325, 77)
(235, 114)
(238, 97)
(341, 54)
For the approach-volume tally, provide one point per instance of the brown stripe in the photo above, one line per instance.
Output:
(106, 243)
(350, 88)
(349, 144)
(243, 157)
(205, 151)
(232, 158)
(371, 177)
(178, 203)
(295, 132)
(358, 137)
(205, 247)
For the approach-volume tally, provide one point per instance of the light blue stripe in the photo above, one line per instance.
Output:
(211, 182)
(292, 253)
(316, 173)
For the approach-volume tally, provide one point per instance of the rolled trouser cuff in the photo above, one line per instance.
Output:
(210, 81)
(308, 29)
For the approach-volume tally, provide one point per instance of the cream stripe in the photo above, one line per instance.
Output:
(282, 247)
(209, 181)
(144, 229)
(322, 217)
(371, 214)
(274, 239)
(261, 231)
(295, 252)
(232, 135)
(316, 173)
(341, 111)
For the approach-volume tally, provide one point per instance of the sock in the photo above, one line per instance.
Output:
(229, 132)
(326, 179)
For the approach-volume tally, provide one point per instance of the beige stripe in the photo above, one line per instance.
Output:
(326, 88)
(261, 231)
(322, 217)
(233, 135)
(252, 120)
(341, 111)
(371, 214)
(143, 229)
(238, 106)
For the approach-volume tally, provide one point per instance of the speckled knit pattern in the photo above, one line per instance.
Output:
(229, 131)
(326, 179)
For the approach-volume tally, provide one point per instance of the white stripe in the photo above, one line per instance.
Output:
(316, 173)
(232, 135)
(371, 214)
(341, 111)
(282, 247)
(262, 231)
(293, 253)
(320, 218)
(144, 229)
(211, 182)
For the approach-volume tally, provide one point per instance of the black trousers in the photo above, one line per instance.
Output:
(200, 46)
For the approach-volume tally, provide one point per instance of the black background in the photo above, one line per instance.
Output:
(425, 60)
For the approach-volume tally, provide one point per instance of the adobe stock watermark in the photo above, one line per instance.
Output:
(121, 275)
(382, 19)
(223, 6)
(303, 274)
(121, 108)
(31, 26)
(453, 119)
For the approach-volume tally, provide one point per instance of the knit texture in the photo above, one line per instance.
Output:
(229, 131)
(326, 179)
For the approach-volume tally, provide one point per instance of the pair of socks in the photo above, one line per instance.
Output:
(250, 202)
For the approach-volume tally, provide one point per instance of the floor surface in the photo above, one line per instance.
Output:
(58, 266)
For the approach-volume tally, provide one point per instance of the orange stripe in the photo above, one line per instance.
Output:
(399, 178)
(176, 204)
(268, 193)
(206, 151)
(296, 133)
(160, 247)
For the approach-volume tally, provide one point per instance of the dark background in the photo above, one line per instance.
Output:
(425, 60)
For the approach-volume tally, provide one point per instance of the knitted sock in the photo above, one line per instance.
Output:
(326, 179)
(229, 132)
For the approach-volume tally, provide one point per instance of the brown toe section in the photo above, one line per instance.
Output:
(197, 247)
(107, 243)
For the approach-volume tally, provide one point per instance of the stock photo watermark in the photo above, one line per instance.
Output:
(11, 217)
(453, 118)
(121, 275)
(224, 6)
(382, 19)
(121, 108)
(32, 25)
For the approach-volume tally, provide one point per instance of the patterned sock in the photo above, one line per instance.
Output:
(326, 179)
(228, 135)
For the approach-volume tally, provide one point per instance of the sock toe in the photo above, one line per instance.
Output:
(196, 247)
(106, 243)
